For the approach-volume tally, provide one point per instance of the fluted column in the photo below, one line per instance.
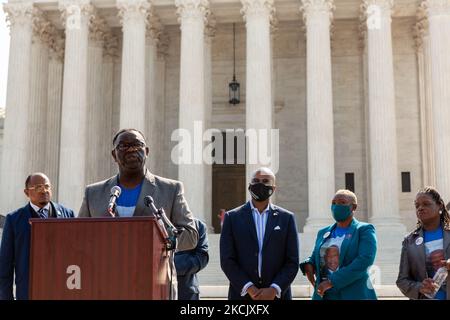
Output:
(422, 37)
(133, 15)
(95, 158)
(192, 99)
(152, 114)
(384, 173)
(15, 147)
(72, 164)
(110, 60)
(37, 116)
(438, 12)
(258, 109)
(317, 15)
(55, 79)
(210, 30)
(160, 72)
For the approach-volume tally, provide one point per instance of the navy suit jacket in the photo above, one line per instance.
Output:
(239, 251)
(189, 262)
(15, 250)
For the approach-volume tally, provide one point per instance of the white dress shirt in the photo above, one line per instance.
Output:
(36, 208)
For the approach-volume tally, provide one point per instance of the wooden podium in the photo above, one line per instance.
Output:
(98, 258)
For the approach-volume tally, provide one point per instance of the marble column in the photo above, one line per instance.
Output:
(54, 95)
(258, 109)
(115, 116)
(160, 72)
(110, 59)
(422, 37)
(95, 158)
(133, 15)
(192, 15)
(37, 115)
(210, 30)
(438, 13)
(15, 147)
(72, 164)
(384, 172)
(317, 16)
(152, 116)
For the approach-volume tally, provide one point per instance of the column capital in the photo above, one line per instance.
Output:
(420, 29)
(42, 28)
(210, 26)
(362, 26)
(313, 7)
(370, 14)
(73, 11)
(18, 13)
(133, 9)
(111, 46)
(57, 45)
(257, 8)
(97, 29)
(437, 7)
(274, 22)
(154, 27)
(385, 6)
(192, 9)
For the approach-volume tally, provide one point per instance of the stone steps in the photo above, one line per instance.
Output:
(213, 275)
(300, 292)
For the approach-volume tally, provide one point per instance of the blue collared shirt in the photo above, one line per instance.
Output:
(260, 220)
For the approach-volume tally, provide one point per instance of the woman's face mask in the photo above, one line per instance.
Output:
(341, 211)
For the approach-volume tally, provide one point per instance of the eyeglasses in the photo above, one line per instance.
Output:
(264, 180)
(41, 187)
(125, 146)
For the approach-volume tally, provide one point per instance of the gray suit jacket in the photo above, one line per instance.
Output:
(166, 193)
(412, 269)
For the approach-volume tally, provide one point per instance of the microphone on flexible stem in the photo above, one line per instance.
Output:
(115, 194)
(172, 232)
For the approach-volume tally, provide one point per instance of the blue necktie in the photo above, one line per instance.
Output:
(42, 212)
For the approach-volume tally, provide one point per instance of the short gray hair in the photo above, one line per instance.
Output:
(264, 170)
(349, 194)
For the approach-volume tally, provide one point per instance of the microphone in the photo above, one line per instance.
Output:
(172, 232)
(149, 202)
(115, 194)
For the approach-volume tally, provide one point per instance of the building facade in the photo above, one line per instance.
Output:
(357, 90)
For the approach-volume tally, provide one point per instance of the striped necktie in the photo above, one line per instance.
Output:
(43, 213)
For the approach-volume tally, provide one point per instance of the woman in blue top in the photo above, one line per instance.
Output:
(426, 249)
(338, 265)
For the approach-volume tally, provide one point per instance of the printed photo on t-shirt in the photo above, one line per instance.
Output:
(329, 253)
(434, 252)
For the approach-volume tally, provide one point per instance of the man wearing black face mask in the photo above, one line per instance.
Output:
(259, 245)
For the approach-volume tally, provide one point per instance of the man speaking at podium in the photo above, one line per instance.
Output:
(136, 182)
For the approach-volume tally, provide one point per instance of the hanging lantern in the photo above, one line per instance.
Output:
(234, 86)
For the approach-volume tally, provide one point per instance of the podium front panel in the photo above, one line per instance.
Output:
(98, 258)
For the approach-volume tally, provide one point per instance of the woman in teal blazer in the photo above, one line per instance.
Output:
(343, 252)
